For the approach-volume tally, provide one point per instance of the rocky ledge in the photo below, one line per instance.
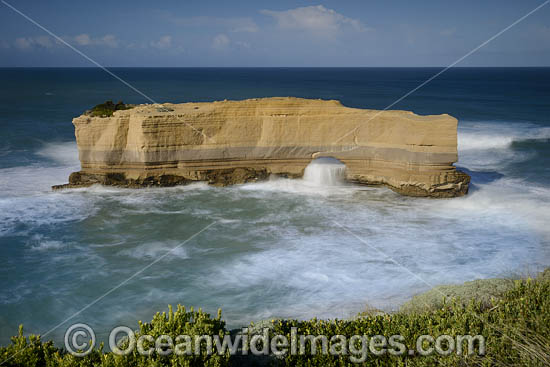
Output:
(230, 142)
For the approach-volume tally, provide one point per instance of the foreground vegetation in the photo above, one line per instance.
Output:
(515, 325)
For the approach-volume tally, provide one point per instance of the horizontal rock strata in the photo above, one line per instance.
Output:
(231, 142)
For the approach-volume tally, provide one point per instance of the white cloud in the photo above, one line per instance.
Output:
(238, 24)
(315, 19)
(23, 43)
(85, 39)
(44, 41)
(220, 42)
(27, 43)
(163, 43)
(109, 40)
(136, 45)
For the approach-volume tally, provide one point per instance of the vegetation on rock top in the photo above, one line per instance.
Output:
(106, 109)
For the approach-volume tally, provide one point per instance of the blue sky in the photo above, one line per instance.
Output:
(275, 33)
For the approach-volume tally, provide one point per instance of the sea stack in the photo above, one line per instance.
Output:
(231, 142)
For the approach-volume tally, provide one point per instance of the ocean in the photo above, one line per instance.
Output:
(274, 250)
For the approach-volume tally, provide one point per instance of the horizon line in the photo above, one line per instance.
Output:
(273, 67)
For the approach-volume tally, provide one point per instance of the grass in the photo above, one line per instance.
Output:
(515, 323)
(482, 290)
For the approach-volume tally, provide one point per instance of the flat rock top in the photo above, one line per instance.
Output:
(271, 105)
(269, 102)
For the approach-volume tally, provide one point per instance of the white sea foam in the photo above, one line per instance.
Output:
(327, 272)
(48, 245)
(155, 250)
(27, 197)
(497, 135)
(65, 153)
(302, 187)
(39, 210)
(488, 145)
(468, 141)
(513, 201)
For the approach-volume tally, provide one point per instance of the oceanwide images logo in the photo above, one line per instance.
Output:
(80, 340)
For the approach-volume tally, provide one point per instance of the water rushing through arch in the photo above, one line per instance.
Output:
(325, 171)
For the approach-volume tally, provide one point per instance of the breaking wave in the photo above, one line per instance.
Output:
(497, 135)
(489, 145)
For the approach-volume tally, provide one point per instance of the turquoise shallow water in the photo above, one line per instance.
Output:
(274, 250)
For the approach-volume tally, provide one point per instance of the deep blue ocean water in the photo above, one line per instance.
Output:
(274, 251)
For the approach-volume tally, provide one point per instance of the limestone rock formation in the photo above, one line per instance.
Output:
(230, 142)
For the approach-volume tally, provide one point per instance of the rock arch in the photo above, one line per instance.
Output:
(241, 141)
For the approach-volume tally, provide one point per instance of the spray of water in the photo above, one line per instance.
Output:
(325, 171)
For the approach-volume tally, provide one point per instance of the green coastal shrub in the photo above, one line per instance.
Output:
(516, 328)
(106, 109)
(33, 352)
(482, 290)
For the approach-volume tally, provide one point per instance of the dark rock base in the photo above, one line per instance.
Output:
(221, 177)
(456, 185)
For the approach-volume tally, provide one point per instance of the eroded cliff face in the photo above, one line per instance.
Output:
(232, 142)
